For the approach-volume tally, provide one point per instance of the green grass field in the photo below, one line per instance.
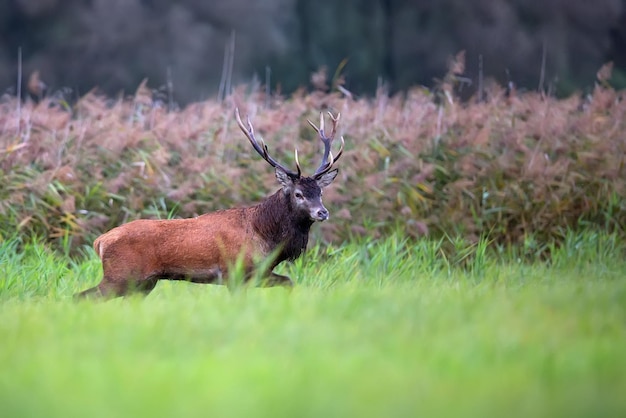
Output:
(385, 329)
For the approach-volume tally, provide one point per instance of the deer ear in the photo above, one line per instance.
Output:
(283, 178)
(327, 178)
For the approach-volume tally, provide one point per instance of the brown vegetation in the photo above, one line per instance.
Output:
(506, 166)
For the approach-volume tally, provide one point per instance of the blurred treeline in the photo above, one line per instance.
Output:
(557, 45)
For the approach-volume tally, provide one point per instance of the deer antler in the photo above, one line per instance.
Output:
(262, 148)
(327, 159)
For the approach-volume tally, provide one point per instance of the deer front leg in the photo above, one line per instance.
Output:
(276, 280)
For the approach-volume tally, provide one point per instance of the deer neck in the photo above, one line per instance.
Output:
(280, 227)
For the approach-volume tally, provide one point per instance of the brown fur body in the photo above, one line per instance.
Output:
(135, 256)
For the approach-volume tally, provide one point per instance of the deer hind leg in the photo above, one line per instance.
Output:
(124, 287)
(144, 286)
(106, 289)
(111, 287)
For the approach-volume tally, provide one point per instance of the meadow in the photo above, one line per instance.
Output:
(389, 327)
(473, 264)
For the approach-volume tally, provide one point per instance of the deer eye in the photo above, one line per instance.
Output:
(298, 195)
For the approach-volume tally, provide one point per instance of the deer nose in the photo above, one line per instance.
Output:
(322, 214)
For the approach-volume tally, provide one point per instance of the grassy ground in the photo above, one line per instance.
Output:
(381, 329)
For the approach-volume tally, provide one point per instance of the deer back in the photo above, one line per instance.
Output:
(180, 245)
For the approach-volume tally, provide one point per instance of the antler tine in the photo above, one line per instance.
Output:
(297, 162)
(343, 142)
(261, 148)
(324, 168)
(327, 159)
(335, 123)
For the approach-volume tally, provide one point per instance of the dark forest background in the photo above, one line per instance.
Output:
(76, 45)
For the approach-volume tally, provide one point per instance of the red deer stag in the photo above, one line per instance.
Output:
(201, 250)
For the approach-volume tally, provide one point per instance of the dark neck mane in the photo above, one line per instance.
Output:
(281, 227)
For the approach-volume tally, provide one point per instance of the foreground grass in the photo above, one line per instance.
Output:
(382, 329)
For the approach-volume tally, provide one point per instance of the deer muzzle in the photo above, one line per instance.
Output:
(319, 214)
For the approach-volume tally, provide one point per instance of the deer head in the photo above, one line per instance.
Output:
(304, 194)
